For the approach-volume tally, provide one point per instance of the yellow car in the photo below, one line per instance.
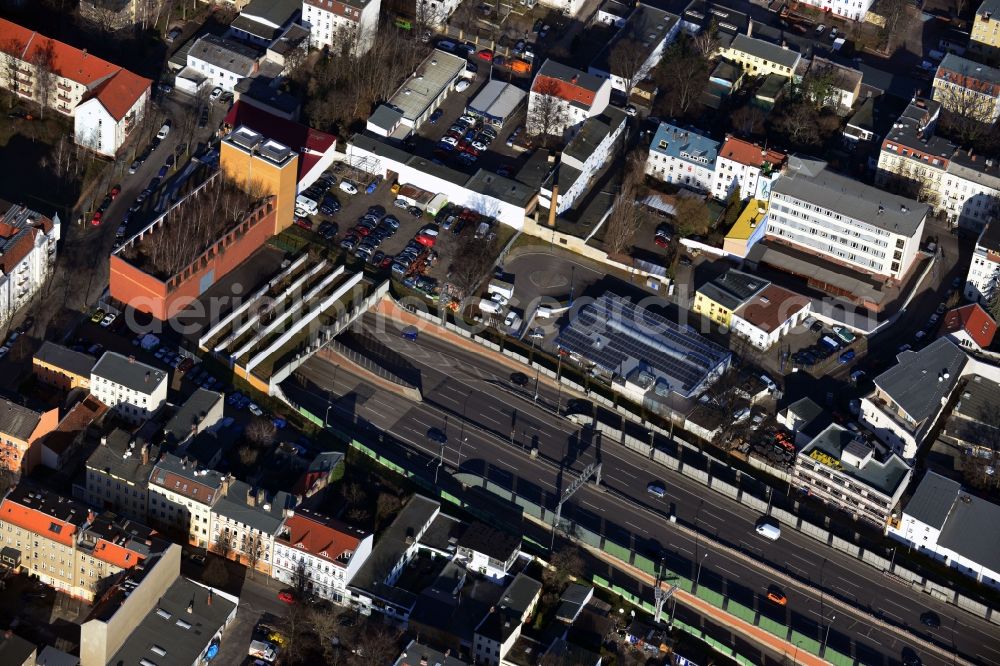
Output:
(394, 188)
(98, 316)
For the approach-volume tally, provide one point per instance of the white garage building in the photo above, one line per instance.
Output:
(507, 200)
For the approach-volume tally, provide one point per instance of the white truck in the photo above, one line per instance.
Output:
(503, 288)
(263, 650)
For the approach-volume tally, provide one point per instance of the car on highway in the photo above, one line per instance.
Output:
(775, 595)
(410, 333)
(910, 657)
(930, 619)
(437, 435)
(656, 489)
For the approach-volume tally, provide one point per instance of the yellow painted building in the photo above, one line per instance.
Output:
(760, 58)
(716, 300)
(62, 367)
(258, 163)
(985, 35)
(748, 228)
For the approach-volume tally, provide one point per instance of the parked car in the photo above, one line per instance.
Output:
(461, 86)
(436, 116)
(108, 319)
(485, 54)
(215, 94)
(348, 186)
(164, 131)
(174, 34)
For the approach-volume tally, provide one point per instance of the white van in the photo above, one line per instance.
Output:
(769, 531)
(306, 204)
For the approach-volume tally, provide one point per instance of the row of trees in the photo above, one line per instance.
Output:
(342, 87)
(206, 217)
(35, 77)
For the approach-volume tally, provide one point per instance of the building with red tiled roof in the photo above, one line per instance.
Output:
(971, 326)
(747, 166)
(769, 315)
(67, 545)
(59, 446)
(28, 243)
(563, 97)
(83, 86)
(21, 430)
(326, 552)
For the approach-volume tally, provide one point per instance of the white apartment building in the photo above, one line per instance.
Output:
(497, 632)
(218, 63)
(746, 166)
(181, 497)
(583, 157)
(332, 23)
(244, 523)
(984, 269)
(682, 157)
(854, 10)
(28, 242)
(657, 29)
(133, 389)
(968, 88)
(845, 221)
(106, 101)
(563, 97)
(319, 554)
(843, 471)
(909, 397)
(487, 550)
(945, 522)
(959, 184)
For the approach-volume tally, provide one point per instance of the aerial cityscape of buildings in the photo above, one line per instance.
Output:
(459, 333)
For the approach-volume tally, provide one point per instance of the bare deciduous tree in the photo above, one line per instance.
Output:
(223, 544)
(626, 217)
(474, 258)
(565, 563)
(10, 56)
(206, 217)
(681, 78)
(261, 431)
(706, 42)
(626, 60)
(547, 113)
(42, 60)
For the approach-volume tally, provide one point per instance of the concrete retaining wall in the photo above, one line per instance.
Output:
(784, 517)
(696, 474)
(754, 502)
(815, 532)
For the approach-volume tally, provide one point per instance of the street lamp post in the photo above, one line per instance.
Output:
(770, 492)
(697, 578)
(893, 560)
(826, 637)
(461, 445)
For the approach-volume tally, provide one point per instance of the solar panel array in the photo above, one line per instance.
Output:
(618, 336)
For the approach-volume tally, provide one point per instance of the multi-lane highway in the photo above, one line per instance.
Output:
(492, 424)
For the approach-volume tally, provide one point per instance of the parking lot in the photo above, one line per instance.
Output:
(389, 232)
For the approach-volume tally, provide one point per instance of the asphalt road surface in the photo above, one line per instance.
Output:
(492, 424)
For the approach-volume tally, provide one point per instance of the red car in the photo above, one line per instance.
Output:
(361, 231)
(115, 191)
(486, 55)
(661, 241)
(96, 220)
(287, 597)
(304, 223)
(426, 241)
